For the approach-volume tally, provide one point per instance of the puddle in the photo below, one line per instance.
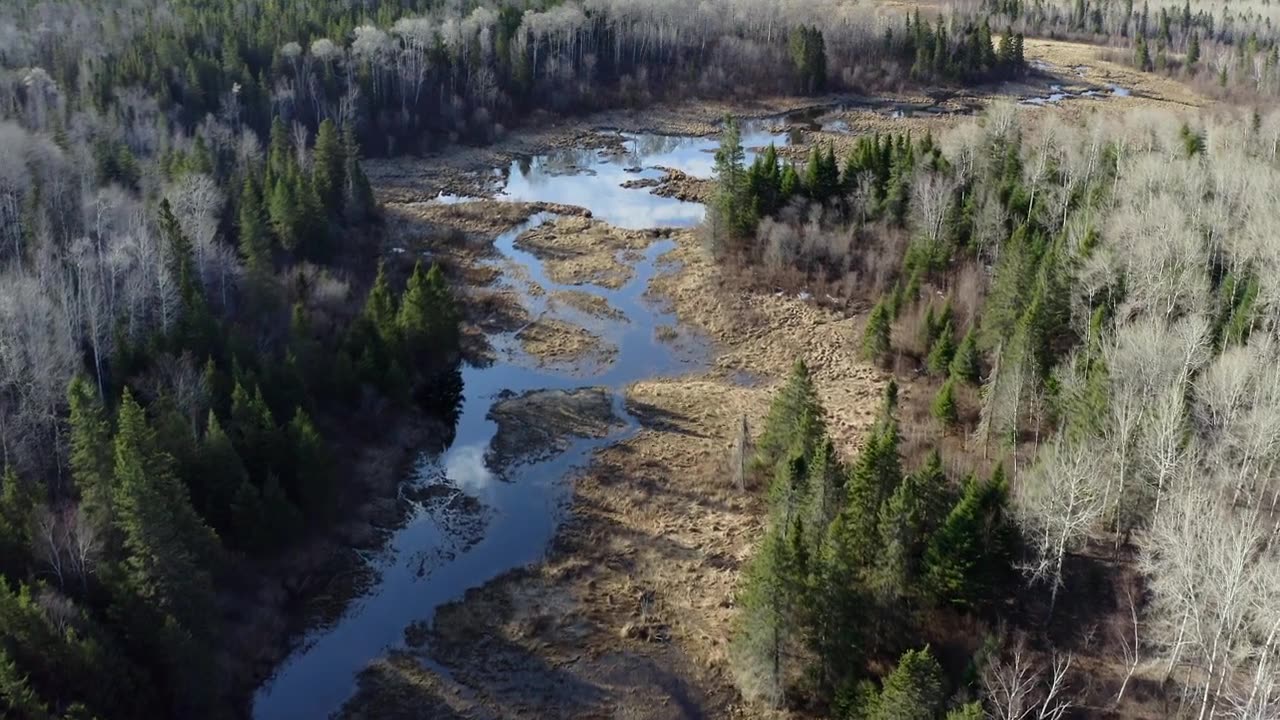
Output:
(425, 564)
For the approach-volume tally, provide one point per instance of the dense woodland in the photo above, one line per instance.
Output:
(1093, 311)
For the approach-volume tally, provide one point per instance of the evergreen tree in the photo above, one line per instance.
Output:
(328, 165)
(964, 363)
(168, 546)
(797, 400)
(731, 215)
(427, 320)
(92, 465)
(17, 502)
(762, 647)
(943, 352)
(358, 202)
(284, 213)
(219, 475)
(315, 487)
(1193, 50)
(913, 691)
(255, 244)
(968, 556)
(380, 308)
(875, 336)
(944, 405)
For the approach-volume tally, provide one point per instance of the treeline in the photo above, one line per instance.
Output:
(413, 75)
(963, 52)
(856, 560)
(1218, 47)
(1107, 290)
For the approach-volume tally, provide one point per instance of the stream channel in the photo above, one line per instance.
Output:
(426, 563)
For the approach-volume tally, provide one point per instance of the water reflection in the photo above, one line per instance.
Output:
(594, 179)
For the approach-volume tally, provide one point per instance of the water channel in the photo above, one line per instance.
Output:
(425, 564)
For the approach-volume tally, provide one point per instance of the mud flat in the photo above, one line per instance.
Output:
(582, 251)
(588, 304)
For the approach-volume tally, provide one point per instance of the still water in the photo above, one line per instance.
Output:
(424, 564)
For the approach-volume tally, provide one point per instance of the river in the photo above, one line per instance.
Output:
(425, 564)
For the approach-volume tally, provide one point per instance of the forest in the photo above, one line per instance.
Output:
(1114, 367)
(198, 331)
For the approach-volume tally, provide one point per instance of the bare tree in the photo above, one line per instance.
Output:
(1060, 502)
(1016, 688)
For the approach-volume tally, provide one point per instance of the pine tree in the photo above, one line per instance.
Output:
(797, 399)
(284, 213)
(969, 554)
(168, 546)
(328, 167)
(17, 698)
(92, 465)
(380, 308)
(964, 363)
(17, 502)
(913, 691)
(943, 352)
(1193, 50)
(358, 203)
(255, 243)
(315, 487)
(875, 337)
(944, 405)
(427, 319)
(220, 473)
(904, 523)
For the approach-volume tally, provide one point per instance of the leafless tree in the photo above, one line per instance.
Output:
(1016, 688)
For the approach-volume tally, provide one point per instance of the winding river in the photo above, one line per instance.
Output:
(425, 563)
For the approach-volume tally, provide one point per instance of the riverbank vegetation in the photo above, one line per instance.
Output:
(1090, 310)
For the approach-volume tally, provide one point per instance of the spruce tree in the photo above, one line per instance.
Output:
(913, 691)
(964, 363)
(283, 210)
(92, 464)
(943, 351)
(358, 203)
(168, 546)
(17, 502)
(875, 336)
(944, 405)
(315, 487)
(797, 399)
(220, 474)
(328, 165)
(380, 308)
(255, 243)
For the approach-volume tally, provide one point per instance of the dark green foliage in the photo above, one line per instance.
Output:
(964, 365)
(875, 336)
(944, 405)
(255, 243)
(913, 691)
(732, 209)
(968, 558)
(17, 501)
(328, 167)
(796, 402)
(809, 58)
(943, 351)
